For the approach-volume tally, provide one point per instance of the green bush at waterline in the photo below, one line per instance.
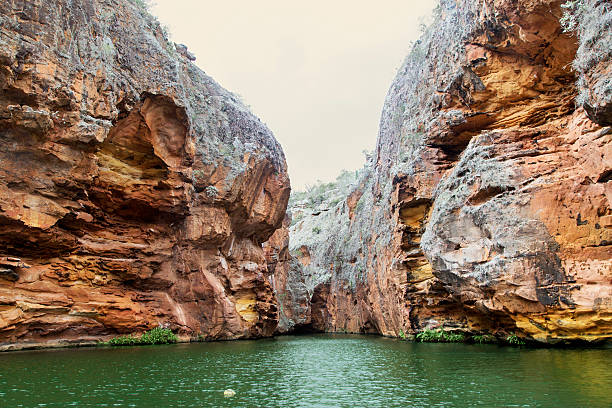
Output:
(157, 335)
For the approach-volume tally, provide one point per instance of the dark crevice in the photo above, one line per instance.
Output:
(451, 153)
(485, 194)
(605, 176)
(305, 329)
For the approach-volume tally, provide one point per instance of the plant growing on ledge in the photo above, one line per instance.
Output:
(123, 341)
(515, 340)
(439, 336)
(158, 335)
(484, 338)
(454, 337)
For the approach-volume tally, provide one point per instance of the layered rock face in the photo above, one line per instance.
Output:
(487, 205)
(134, 190)
(287, 281)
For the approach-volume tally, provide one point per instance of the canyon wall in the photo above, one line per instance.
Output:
(134, 190)
(486, 205)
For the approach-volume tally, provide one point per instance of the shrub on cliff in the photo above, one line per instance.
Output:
(157, 335)
(328, 194)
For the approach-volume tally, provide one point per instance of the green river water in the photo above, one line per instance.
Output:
(308, 371)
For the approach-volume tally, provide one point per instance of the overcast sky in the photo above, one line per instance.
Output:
(316, 72)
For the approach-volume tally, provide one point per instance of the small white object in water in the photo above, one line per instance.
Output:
(229, 393)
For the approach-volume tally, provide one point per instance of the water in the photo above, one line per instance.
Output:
(308, 371)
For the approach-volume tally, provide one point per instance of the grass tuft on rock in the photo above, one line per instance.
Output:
(515, 340)
(157, 335)
(484, 339)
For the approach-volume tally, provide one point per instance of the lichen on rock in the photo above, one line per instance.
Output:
(486, 207)
(137, 190)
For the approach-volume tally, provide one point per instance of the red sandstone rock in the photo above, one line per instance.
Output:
(137, 190)
(488, 205)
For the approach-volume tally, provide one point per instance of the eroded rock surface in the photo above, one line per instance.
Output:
(288, 282)
(134, 190)
(486, 206)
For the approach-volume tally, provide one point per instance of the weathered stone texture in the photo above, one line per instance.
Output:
(288, 282)
(134, 190)
(487, 206)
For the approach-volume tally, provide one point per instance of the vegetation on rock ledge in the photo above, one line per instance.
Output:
(324, 195)
(440, 336)
(484, 338)
(515, 340)
(157, 335)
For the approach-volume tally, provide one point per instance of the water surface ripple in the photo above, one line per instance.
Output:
(308, 371)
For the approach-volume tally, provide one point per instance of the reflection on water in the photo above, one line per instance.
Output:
(309, 371)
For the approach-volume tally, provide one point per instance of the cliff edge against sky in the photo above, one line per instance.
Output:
(134, 190)
(486, 205)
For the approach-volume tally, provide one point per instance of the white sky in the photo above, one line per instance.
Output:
(316, 72)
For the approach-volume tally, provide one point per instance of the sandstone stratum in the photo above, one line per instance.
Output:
(135, 192)
(486, 205)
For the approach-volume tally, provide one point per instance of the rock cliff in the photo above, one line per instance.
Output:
(486, 207)
(134, 190)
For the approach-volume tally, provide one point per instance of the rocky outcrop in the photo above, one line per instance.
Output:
(288, 282)
(134, 190)
(591, 21)
(486, 207)
(318, 220)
